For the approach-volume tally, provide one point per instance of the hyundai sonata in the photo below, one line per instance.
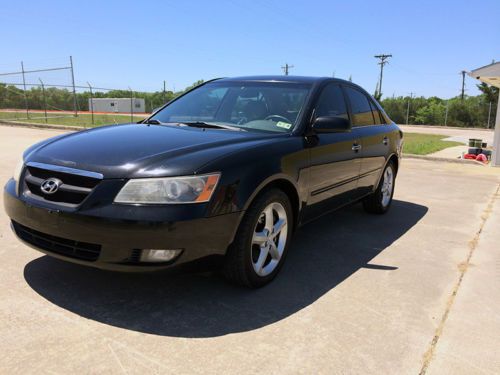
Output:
(229, 170)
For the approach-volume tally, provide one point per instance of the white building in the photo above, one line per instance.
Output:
(490, 74)
(117, 105)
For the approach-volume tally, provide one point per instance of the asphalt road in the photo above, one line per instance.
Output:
(414, 291)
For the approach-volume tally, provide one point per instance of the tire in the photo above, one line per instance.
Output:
(247, 262)
(380, 201)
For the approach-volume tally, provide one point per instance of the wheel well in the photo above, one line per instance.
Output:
(288, 188)
(395, 160)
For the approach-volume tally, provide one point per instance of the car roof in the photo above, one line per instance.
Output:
(281, 78)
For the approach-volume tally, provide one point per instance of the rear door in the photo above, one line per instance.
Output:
(374, 137)
(334, 159)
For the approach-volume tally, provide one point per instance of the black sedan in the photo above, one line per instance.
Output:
(228, 170)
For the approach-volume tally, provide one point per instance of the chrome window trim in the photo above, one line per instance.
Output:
(59, 168)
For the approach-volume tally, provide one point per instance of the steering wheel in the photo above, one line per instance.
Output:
(278, 117)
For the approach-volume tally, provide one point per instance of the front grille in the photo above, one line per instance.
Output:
(73, 249)
(74, 189)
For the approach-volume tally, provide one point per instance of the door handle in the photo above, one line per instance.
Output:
(385, 141)
(356, 147)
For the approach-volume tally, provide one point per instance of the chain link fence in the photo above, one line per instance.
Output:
(27, 97)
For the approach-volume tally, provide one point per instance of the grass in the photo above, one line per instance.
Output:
(424, 144)
(68, 119)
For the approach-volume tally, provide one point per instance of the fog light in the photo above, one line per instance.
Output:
(159, 255)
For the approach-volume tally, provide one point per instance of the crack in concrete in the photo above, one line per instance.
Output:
(462, 267)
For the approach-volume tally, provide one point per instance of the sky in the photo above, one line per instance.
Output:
(139, 44)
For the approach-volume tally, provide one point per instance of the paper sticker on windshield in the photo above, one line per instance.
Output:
(283, 124)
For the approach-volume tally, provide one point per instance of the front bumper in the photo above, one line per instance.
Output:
(119, 231)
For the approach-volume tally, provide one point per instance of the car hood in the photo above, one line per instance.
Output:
(138, 150)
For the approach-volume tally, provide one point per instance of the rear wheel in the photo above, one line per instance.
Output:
(262, 240)
(380, 201)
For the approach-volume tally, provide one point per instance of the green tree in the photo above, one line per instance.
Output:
(490, 92)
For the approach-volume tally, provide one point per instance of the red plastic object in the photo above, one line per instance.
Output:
(482, 158)
(470, 156)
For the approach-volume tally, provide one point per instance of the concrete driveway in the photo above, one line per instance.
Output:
(414, 291)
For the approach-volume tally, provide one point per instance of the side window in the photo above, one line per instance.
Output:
(377, 116)
(331, 103)
(360, 107)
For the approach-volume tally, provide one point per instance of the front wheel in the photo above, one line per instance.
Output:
(380, 201)
(262, 240)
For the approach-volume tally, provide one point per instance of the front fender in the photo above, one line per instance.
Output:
(247, 173)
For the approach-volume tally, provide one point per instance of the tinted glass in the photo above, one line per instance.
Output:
(360, 107)
(376, 114)
(261, 106)
(331, 103)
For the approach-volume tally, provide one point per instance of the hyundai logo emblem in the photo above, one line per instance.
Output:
(50, 185)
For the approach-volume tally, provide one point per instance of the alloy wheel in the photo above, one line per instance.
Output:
(387, 186)
(269, 239)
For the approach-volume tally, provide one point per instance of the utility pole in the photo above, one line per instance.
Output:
(164, 92)
(408, 108)
(286, 68)
(463, 84)
(383, 60)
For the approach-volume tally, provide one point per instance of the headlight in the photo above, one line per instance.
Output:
(168, 190)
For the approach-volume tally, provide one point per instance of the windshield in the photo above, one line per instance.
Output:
(261, 106)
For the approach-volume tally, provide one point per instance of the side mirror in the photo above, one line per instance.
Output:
(332, 124)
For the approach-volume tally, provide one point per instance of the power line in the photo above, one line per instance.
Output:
(383, 60)
(286, 68)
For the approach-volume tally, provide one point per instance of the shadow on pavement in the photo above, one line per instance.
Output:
(324, 253)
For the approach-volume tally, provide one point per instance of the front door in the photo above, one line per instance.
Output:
(334, 163)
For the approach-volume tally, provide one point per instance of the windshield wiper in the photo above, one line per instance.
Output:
(153, 122)
(210, 125)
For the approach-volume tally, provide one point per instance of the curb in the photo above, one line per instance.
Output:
(41, 126)
(435, 158)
